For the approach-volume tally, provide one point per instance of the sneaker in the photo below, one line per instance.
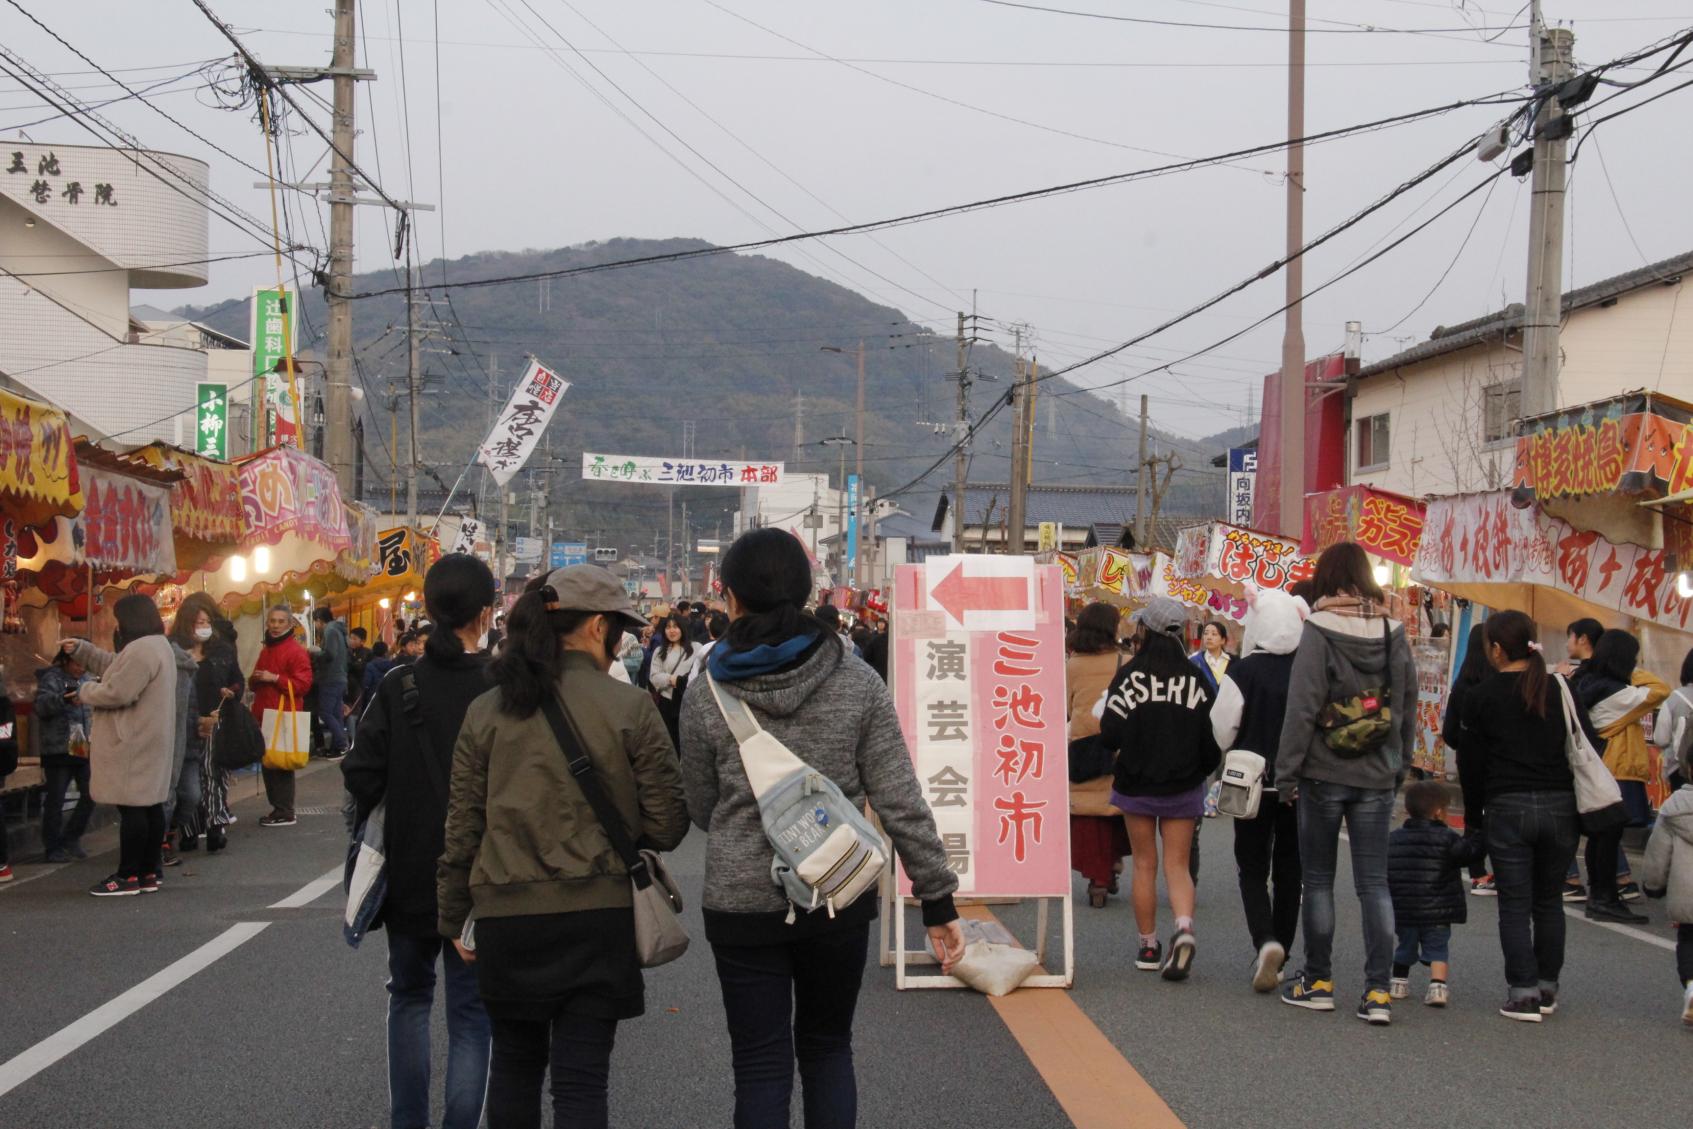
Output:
(216, 840)
(170, 857)
(1438, 995)
(1629, 891)
(1180, 961)
(276, 819)
(1484, 887)
(1614, 911)
(57, 854)
(334, 755)
(188, 843)
(1548, 1002)
(76, 849)
(1376, 1008)
(115, 887)
(1575, 892)
(1523, 1011)
(1150, 958)
(150, 884)
(1687, 1005)
(1399, 988)
(6, 872)
(1267, 969)
(1314, 995)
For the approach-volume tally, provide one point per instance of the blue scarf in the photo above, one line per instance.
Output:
(731, 666)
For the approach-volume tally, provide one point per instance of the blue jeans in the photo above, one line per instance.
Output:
(1430, 944)
(411, 996)
(1367, 813)
(788, 1001)
(61, 772)
(330, 703)
(1531, 838)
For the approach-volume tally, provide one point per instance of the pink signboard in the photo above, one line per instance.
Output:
(979, 683)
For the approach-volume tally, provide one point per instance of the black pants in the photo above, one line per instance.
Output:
(578, 1051)
(1477, 825)
(1684, 953)
(279, 790)
(141, 837)
(61, 772)
(794, 1001)
(1602, 865)
(1266, 850)
(1531, 839)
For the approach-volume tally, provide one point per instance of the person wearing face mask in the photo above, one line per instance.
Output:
(554, 953)
(403, 754)
(202, 789)
(284, 668)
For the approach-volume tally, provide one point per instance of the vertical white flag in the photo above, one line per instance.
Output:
(521, 422)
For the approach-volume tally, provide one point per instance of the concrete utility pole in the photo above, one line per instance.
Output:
(338, 442)
(1014, 520)
(858, 563)
(1292, 485)
(869, 547)
(1550, 54)
(961, 457)
(414, 382)
(1141, 484)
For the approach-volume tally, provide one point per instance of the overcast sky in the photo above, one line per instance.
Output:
(879, 108)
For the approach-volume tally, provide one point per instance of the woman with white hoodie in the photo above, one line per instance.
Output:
(1248, 713)
(1668, 871)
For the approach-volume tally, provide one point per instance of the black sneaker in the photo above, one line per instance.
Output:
(1575, 892)
(189, 843)
(1150, 958)
(1548, 1002)
(1180, 962)
(150, 884)
(1523, 1011)
(1614, 911)
(216, 840)
(170, 858)
(115, 887)
(276, 819)
(1629, 891)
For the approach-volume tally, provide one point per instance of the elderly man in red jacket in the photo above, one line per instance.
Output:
(283, 666)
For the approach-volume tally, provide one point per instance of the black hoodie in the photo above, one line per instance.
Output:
(1160, 723)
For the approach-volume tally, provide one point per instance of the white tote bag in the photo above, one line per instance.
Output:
(1596, 791)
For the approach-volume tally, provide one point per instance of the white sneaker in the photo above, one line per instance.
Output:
(1687, 1005)
(1439, 995)
(1267, 971)
(1399, 988)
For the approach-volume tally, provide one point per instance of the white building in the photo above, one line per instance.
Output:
(80, 227)
(804, 504)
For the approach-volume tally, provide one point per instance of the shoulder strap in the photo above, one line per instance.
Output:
(411, 704)
(1387, 655)
(582, 769)
(740, 720)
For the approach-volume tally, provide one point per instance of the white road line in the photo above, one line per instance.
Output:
(312, 890)
(1625, 930)
(29, 1063)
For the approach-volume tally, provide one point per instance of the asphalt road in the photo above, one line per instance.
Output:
(285, 1028)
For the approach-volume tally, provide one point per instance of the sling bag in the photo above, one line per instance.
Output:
(1359, 725)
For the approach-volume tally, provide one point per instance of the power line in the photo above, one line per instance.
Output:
(1344, 29)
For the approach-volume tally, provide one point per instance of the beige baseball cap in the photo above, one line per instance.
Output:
(590, 588)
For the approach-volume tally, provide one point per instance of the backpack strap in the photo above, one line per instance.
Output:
(411, 704)
(582, 770)
(740, 720)
(764, 758)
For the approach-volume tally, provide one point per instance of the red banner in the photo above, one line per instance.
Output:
(1387, 525)
(1635, 444)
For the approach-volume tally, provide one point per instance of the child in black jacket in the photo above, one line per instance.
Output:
(1424, 858)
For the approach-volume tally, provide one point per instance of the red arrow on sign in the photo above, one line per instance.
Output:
(959, 593)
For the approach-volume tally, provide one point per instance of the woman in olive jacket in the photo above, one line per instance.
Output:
(554, 942)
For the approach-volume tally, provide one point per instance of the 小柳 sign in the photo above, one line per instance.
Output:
(211, 421)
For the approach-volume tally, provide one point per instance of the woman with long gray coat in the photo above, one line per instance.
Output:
(791, 980)
(134, 709)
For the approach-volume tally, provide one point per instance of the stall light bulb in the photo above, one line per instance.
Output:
(1684, 585)
(238, 569)
(384, 603)
(261, 560)
(1384, 575)
(410, 597)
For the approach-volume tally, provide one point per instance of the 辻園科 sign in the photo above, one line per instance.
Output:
(598, 467)
(520, 423)
(273, 333)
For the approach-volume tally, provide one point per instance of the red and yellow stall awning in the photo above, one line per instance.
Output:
(39, 480)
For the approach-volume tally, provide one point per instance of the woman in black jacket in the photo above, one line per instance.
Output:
(201, 629)
(403, 755)
(1471, 673)
(1158, 718)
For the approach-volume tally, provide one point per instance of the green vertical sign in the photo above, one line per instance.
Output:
(272, 335)
(211, 421)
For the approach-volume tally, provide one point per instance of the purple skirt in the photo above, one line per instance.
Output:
(1182, 805)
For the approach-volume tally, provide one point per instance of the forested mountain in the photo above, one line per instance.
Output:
(731, 343)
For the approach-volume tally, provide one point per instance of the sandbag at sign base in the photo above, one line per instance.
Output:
(994, 969)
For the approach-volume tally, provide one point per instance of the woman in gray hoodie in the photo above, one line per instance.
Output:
(1353, 665)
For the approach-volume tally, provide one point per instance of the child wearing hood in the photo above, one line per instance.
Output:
(1251, 705)
(1667, 871)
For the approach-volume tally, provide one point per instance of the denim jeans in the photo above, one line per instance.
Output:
(1531, 838)
(1429, 944)
(185, 808)
(411, 996)
(1367, 813)
(330, 703)
(788, 1001)
(1266, 848)
(576, 1048)
(55, 830)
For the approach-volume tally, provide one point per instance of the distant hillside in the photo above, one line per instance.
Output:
(729, 342)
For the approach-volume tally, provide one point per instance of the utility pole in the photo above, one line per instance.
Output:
(1141, 483)
(869, 547)
(1014, 519)
(858, 564)
(1550, 54)
(338, 442)
(414, 380)
(1291, 492)
(960, 459)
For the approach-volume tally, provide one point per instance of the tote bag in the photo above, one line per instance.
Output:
(1597, 796)
(288, 736)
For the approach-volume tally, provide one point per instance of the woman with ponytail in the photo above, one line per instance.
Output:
(790, 983)
(1515, 734)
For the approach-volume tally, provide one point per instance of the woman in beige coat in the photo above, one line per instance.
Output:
(134, 713)
(1098, 837)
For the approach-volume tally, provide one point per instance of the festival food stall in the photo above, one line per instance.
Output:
(206, 516)
(1216, 562)
(1113, 575)
(395, 587)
